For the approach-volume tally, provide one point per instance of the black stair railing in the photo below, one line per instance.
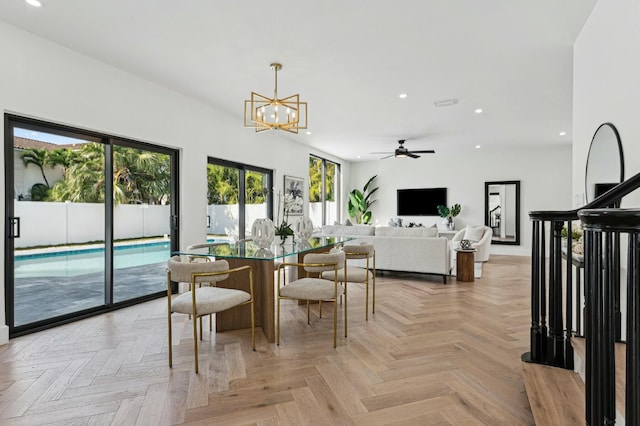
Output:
(602, 227)
(555, 300)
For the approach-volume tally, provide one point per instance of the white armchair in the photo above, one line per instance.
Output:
(480, 237)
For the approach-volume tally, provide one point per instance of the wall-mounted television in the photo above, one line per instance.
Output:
(421, 201)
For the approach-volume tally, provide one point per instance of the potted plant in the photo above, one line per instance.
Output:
(448, 214)
(289, 203)
(360, 201)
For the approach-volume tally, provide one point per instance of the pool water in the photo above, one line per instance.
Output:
(89, 261)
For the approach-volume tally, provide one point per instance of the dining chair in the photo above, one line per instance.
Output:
(314, 288)
(206, 299)
(355, 274)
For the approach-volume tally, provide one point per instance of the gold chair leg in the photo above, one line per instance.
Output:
(200, 328)
(278, 324)
(335, 321)
(345, 309)
(366, 298)
(253, 327)
(373, 305)
(195, 340)
(320, 307)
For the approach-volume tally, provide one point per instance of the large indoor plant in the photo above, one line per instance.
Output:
(448, 213)
(360, 201)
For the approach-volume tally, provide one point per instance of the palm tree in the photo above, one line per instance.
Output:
(138, 176)
(38, 158)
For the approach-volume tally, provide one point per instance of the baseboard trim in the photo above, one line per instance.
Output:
(4, 335)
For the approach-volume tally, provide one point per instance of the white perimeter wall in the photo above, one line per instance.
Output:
(46, 81)
(543, 174)
(606, 85)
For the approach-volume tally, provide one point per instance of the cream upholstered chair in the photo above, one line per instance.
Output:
(315, 289)
(207, 299)
(480, 237)
(354, 274)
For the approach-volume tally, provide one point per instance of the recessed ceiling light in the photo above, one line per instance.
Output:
(358, 156)
(402, 95)
(477, 146)
(445, 102)
(34, 3)
(308, 132)
(563, 133)
(478, 111)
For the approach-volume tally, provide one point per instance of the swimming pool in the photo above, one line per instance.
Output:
(71, 263)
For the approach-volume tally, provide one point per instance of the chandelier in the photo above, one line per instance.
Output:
(263, 113)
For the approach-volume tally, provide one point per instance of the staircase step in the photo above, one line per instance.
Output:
(579, 350)
(556, 395)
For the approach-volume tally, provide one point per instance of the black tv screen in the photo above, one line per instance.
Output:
(601, 188)
(421, 201)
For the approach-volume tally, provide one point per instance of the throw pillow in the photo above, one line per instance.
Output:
(348, 222)
(473, 233)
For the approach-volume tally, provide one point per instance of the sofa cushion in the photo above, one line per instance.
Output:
(387, 231)
(348, 230)
(474, 233)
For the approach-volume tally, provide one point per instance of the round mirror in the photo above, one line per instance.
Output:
(605, 163)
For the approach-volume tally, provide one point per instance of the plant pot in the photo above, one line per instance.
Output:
(451, 224)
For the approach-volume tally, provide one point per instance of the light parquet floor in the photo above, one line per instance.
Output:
(432, 354)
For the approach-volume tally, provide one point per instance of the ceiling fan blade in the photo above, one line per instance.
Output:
(387, 152)
(425, 151)
(387, 156)
(412, 155)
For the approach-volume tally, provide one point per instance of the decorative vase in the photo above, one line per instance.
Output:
(450, 223)
(303, 228)
(263, 232)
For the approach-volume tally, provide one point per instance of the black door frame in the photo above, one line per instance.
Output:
(11, 121)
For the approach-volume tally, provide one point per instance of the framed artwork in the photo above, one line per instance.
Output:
(294, 186)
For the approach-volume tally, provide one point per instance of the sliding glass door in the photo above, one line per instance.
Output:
(141, 220)
(90, 222)
(57, 225)
(237, 195)
(324, 185)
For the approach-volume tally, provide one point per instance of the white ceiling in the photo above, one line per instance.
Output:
(349, 59)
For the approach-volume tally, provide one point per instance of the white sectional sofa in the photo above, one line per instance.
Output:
(416, 249)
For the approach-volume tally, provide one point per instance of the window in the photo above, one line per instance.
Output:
(237, 194)
(324, 193)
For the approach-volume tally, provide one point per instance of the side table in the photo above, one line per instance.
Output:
(464, 265)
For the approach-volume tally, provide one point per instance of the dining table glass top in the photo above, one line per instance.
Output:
(225, 249)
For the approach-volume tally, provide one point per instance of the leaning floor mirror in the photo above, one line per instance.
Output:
(502, 211)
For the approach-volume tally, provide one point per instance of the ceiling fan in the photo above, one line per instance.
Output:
(402, 152)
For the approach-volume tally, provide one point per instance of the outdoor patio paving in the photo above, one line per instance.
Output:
(46, 297)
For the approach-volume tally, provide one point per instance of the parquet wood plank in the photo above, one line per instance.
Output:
(432, 354)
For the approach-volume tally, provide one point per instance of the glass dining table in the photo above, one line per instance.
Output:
(263, 263)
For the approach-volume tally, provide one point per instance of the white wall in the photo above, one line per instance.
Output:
(605, 88)
(543, 174)
(46, 81)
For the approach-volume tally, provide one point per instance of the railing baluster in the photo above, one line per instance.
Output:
(608, 334)
(616, 286)
(632, 408)
(535, 295)
(543, 295)
(568, 349)
(588, 324)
